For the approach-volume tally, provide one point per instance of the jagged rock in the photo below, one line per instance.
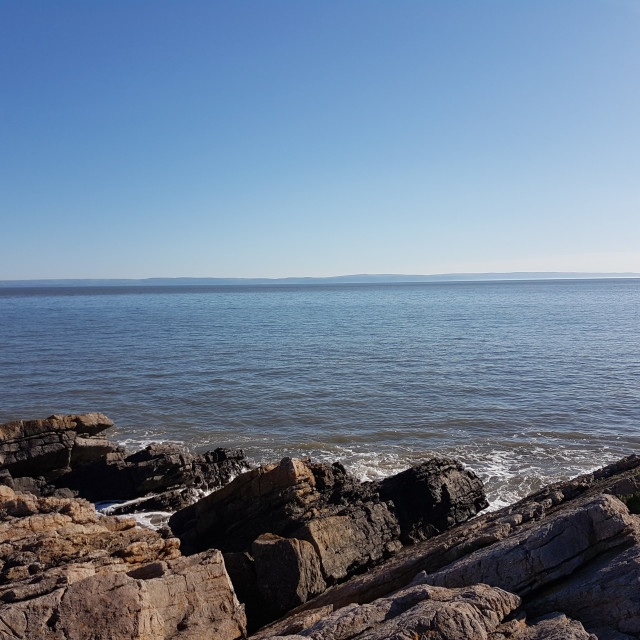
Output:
(542, 554)
(293, 498)
(287, 571)
(188, 598)
(67, 573)
(603, 593)
(345, 523)
(174, 477)
(242, 571)
(42, 534)
(272, 498)
(432, 497)
(482, 532)
(66, 456)
(419, 611)
(554, 626)
(347, 543)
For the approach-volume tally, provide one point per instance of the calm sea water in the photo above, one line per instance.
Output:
(525, 382)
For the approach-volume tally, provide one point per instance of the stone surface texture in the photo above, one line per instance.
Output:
(40, 447)
(554, 626)
(419, 611)
(337, 526)
(334, 558)
(542, 554)
(170, 477)
(571, 551)
(68, 456)
(67, 573)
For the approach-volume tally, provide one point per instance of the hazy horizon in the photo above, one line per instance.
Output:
(343, 278)
(324, 138)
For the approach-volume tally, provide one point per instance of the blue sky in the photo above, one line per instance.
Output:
(274, 138)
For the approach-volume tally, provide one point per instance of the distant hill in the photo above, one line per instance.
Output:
(347, 279)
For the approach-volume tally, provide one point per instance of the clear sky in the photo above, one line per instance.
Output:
(267, 138)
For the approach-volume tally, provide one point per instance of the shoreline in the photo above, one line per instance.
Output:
(299, 546)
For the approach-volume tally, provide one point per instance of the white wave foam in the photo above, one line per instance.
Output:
(142, 441)
(509, 473)
(148, 519)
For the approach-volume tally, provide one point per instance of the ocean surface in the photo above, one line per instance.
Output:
(524, 381)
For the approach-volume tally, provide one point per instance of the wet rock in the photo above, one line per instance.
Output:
(432, 497)
(325, 505)
(275, 498)
(169, 477)
(66, 456)
(485, 531)
(570, 547)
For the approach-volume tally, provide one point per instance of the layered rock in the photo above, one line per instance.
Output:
(418, 611)
(398, 558)
(169, 477)
(323, 524)
(571, 552)
(548, 551)
(69, 573)
(69, 456)
(32, 448)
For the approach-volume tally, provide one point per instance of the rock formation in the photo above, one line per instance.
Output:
(69, 456)
(32, 448)
(331, 557)
(289, 530)
(570, 552)
(67, 573)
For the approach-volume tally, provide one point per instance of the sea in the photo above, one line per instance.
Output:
(525, 382)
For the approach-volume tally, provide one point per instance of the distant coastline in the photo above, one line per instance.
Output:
(345, 279)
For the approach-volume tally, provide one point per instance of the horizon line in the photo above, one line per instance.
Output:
(354, 278)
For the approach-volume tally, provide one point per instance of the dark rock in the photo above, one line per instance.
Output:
(292, 498)
(176, 478)
(288, 571)
(242, 572)
(331, 520)
(571, 547)
(432, 497)
(481, 532)
(67, 456)
(269, 499)
(351, 540)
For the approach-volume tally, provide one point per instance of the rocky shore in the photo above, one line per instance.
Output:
(299, 549)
